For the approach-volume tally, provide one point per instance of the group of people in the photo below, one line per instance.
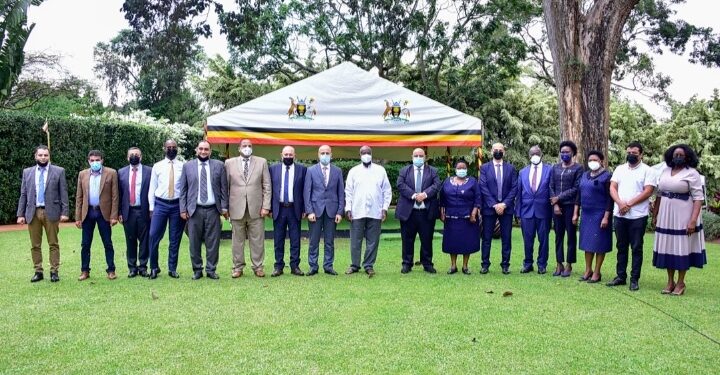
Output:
(192, 196)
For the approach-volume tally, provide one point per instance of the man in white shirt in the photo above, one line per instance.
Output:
(367, 198)
(631, 185)
(164, 201)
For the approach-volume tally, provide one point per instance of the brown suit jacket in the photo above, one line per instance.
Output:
(109, 198)
(253, 193)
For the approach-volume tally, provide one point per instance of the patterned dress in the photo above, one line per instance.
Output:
(460, 236)
(674, 249)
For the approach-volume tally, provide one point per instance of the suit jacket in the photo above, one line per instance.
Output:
(298, 189)
(489, 188)
(109, 197)
(406, 189)
(56, 194)
(318, 197)
(534, 205)
(190, 182)
(253, 193)
(124, 176)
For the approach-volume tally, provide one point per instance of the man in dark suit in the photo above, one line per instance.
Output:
(417, 209)
(133, 187)
(96, 203)
(288, 206)
(498, 186)
(203, 198)
(534, 210)
(43, 204)
(324, 196)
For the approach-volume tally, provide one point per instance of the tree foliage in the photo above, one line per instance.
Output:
(14, 33)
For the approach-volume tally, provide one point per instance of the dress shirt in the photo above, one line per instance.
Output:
(159, 180)
(291, 180)
(138, 182)
(94, 198)
(538, 178)
(211, 196)
(417, 170)
(367, 191)
(37, 182)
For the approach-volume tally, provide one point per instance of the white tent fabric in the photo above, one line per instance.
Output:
(346, 107)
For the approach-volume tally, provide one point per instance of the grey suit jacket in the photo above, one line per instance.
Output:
(253, 193)
(56, 194)
(190, 181)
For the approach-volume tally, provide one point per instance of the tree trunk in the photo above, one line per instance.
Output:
(583, 46)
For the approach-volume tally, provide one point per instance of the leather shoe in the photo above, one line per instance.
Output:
(542, 270)
(212, 275)
(132, 273)
(405, 269)
(143, 273)
(236, 274)
(197, 275)
(452, 270)
(154, 273)
(297, 272)
(351, 270)
(111, 275)
(259, 273)
(466, 271)
(616, 281)
(527, 269)
(174, 275)
(430, 269)
(506, 270)
(634, 286)
(37, 277)
(370, 272)
(312, 273)
(84, 276)
(484, 270)
(276, 272)
(54, 277)
(331, 271)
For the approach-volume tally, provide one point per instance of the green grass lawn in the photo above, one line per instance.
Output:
(392, 323)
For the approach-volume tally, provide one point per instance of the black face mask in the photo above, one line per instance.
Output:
(203, 159)
(288, 161)
(171, 153)
(679, 161)
(632, 159)
(134, 160)
(42, 165)
(498, 155)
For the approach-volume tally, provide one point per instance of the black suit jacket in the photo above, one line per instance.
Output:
(406, 189)
(124, 176)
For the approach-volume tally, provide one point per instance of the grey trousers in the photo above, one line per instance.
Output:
(205, 225)
(369, 229)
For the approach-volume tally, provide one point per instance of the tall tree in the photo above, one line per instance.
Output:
(14, 33)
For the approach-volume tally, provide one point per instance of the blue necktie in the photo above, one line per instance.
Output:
(286, 192)
(41, 188)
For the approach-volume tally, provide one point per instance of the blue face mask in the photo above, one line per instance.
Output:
(95, 166)
(565, 157)
(418, 161)
(461, 173)
(324, 159)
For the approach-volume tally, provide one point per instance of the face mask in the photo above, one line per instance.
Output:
(679, 161)
(42, 165)
(246, 151)
(535, 159)
(95, 165)
(288, 161)
(565, 157)
(171, 153)
(134, 160)
(461, 173)
(418, 161)
(498, 155)
(594, 165)
(632, 159)
(203, 159)
(366, 158)
(324, 159)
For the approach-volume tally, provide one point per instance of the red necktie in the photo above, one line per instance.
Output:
(132, 186)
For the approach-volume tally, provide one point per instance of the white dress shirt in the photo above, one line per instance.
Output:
(37, 181)
(159, 180)
(211, 196)
(539, 174)
(367, 191)
(138, 182)
(417, 170)
(291, 183)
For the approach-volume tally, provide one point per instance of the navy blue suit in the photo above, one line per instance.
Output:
(287, 215)
(326, 202)
(136, 220)
(535, 213)
(489, 190)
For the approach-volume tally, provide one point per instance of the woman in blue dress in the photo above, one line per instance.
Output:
(459, 202)
(595, 205)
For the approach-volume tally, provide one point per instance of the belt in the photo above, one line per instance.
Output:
(168, 201)
(94, 207)
(135, 207)
(419, 209)
(205, 206)
(283, 204)
(671, 195)
(43, 207)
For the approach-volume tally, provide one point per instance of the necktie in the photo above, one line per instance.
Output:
(498, 175)
(325, 176)
(533, 182)
(418, 184)
(286, 191)
(171, 182)
(203, 184)
(246, 167)
(41, 188)
(132, 186)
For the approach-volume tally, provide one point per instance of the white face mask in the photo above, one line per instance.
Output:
(593, 165)
(366, 158)
(535, 159)
(247, 151)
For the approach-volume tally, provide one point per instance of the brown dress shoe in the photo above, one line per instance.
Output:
(112, 275)
(237, 273)
(84, 276)
(259, 273)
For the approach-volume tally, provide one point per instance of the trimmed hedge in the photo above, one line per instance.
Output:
(71, 139)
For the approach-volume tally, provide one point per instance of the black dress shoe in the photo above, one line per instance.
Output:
(405, 269)
(197, 275)
(154, 273)
(174, 275)
(506, 270)
(276, 272)
(212, 275)
(616, 281)
(430, 269)
(132, 273)
(54, 277)
(331, 271)
(297, 272)
(37, 277)
(542, 270)
(466, 271)
(312, 273)
(484, 270)
(452, 270)
(634, 286)
(143, 273)
(527, 269)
